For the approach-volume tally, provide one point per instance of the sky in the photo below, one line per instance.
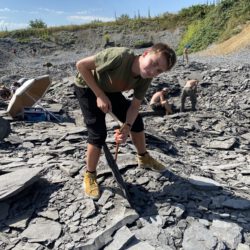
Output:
(17, 14)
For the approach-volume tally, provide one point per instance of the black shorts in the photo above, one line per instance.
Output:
(94, 118)
(157, 107)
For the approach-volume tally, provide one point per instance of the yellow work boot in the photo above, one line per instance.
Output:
(90, 185)
(146, 161)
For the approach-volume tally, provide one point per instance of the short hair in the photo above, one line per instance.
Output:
(167, 51)
(16, 84)
(5, 93)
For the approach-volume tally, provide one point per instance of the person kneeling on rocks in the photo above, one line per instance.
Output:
(100, 81)
(5, 93)
(17, 84)
(159, 102)
(190, 89)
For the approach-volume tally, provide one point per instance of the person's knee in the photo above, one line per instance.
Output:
(193, 98)
(97, 141)
(97, 138)
(183, 99)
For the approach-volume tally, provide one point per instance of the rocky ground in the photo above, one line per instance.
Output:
(202, 201)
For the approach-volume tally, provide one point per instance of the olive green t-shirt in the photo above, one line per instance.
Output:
(113, 72)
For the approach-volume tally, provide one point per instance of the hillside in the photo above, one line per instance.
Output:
(233, 44)
(223, 20)
(199, 25)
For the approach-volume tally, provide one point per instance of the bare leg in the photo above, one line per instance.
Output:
(193, 100)
(91, 187)
(138, 139)
(187, 57)
(93, 155)
(167, 108)
(183, 100)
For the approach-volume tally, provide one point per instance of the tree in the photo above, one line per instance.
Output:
(37, 24)
(123, 18)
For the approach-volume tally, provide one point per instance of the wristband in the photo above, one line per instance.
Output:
(128, 124)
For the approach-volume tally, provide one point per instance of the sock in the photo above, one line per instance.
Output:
(143, 154)
(92, 172)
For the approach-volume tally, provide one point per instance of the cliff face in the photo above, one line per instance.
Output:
(93, 39)
(83, 42)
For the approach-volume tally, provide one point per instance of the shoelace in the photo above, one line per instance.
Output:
(92, 180)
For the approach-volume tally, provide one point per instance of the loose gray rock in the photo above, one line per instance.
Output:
(233, 235)
(12, 183)
(204, 183)
(197, 236)
(41, 230)
(121, 238)
(237, 203)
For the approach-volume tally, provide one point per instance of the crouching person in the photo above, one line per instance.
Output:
(159, 102)
(189, 90)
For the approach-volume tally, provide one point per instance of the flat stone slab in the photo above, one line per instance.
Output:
(237, 203)
(121, 238)
(224, 167)
(141, 245)
(221, 144)
(99, 239)
(246, 136)
(14, 182)
(204, 183)
(228, 232)
(40, 230)
(197, 236)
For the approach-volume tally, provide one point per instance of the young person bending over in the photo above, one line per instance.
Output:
(100, 81)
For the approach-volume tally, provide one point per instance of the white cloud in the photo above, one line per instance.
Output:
(11, 26)
(84, 12)
(58, 12)
(9, 11)
(5, 10)
(89, 18)
(33, 12)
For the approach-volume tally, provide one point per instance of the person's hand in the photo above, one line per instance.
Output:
(169, 111)
(122, 134)
(103, 103)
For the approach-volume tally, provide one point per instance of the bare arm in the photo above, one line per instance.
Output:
(133, 111)
(155, 98)
(162, 98)
(85, 67)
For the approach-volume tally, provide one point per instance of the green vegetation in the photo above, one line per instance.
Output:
(221, 22)
(37, 24)
(142, 44)
(106, 37)
(202, 24)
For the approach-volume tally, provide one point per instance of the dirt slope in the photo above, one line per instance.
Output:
(233, 44)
